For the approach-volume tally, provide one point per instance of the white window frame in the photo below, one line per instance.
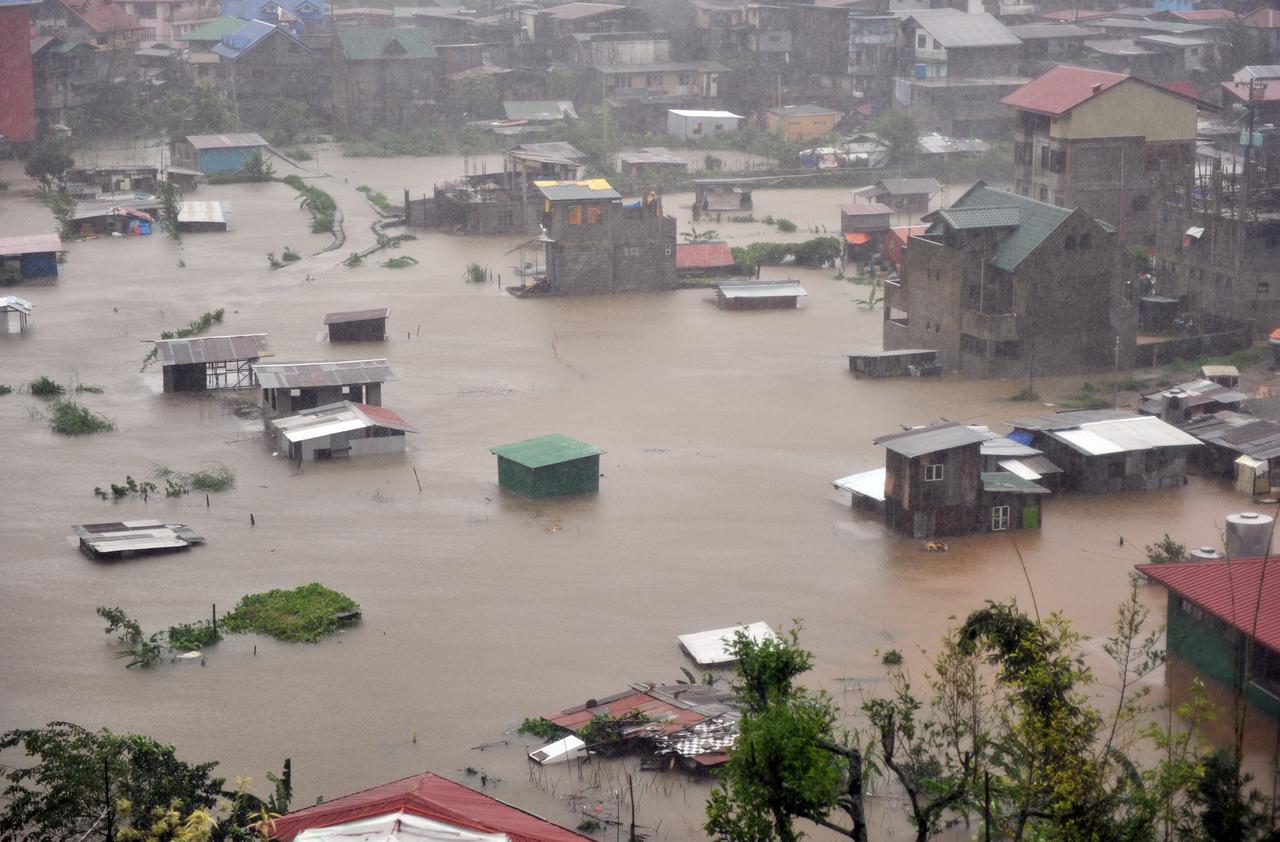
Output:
(934, 473)
(1001, 518)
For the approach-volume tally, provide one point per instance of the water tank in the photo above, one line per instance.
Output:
(1206, 554)
(1248, 534)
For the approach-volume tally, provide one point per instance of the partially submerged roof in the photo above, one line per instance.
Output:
(713, 647)
(1237, 432)
(1007, 482)
(29, 244)
(665, 708)
(202, 212)
(357, 315)
(429, 795)
(539, 109)
(703, 256)
(554, 152)
(212, 349)
(1194, 393)
(396, 827)
(318, 374)
(592, 188)
(903, 187)
(132, 536)
(1123, 435)
(341, 417)
(13, 302)
(226, 141)
(869, 484)
(761, 289)
(952, 28)
(918, 442)
(652, 155)
(546, 450)
(374, 43)
(1242, 593)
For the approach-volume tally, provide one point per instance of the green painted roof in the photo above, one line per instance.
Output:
(963, 219)
(214, 30)
(1036, 221)
(368, 43)
(1002, 481)
(546, 450)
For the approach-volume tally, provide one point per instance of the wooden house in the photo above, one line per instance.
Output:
(903, 363)
(759, 295)
(340, 429)
(704, 260)
(548, 466)
(358, 325)
(288, 388)
(904, 195)
(15, 314)
(1185, 401)
(863, 226)
(198, 363)
(34, 256)
(218, 153)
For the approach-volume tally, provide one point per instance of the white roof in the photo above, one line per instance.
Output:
(759, 289)
(710, 115)
(334, 418)
(202, 212)
(1122, 435)
(1250, 462)
(560, 751)
(1018, 469)
(13, 302)
(867, 484)
(713, 647)
(397, 827)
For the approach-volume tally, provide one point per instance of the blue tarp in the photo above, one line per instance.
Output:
(1021, 437)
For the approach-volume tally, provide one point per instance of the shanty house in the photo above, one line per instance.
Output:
(549, 466)
(203, 216)
(903, 195)
(900, 363)
(33, 256)
(198, 363)
(358, 325)
(935, 485)
(654, 163)
(1107, 451)
(704, 260)
(595, 242)
(1185, 401)
(15, 314)
(452, 811)
(1224, 619)
(218, 153)
(731, 195)
(1243, 448)
(863, 226)
(694, 124)
(539, 112)
(117, 178)
(125, 539)
(759, 295)
(288, 388)
(801, 122)
(340, 429)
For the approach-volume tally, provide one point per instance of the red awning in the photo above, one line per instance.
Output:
(857, 238)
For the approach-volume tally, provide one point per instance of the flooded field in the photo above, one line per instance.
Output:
(722, 431)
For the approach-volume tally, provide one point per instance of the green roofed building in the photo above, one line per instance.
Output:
(387, 77)
(549, 466)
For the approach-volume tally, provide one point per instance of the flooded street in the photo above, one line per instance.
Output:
(722, 429)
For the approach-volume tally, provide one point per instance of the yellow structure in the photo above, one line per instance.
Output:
(801, 122)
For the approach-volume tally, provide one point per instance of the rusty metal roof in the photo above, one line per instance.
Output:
(918, 442)
(1243, 593)
(130, 536)
(357, 315)
(311, 375)
(212, 349)
(666, 708)
(30, 244)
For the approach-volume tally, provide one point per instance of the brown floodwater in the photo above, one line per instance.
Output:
(723, 431)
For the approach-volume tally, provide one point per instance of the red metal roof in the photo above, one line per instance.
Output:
(905, 232)
(1267, 90)
(1232, 591)
(384, 417)
(703, 256)
(1192, 15)
(434, 797)
(103, 15)
(1183, 88)
(1062, 89)
(664, 716)
(1263, 18)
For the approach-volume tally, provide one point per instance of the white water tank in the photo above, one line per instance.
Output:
(1206, 554)
(1248, 534)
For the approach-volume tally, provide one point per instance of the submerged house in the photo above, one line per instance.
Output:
(1224, 619)
(358, 325)
(211, 362)
(129, 538)
(288, 388)
(704, 260)
(32, 256)
(15, 314)
(759, 295)
(549, 466)
(1186, 401)
(203, 216)
(1105, 451)
(217, 153)
(722, 194)
(340, 429)
(1243, 448)
(903, 195)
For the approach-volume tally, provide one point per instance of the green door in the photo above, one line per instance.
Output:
(1031, 517)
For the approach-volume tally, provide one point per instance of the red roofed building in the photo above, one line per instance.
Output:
(1103, 142)
(704, 260)
(1218, 611)
(102, 23)
(17, 94)
(433, 797)
(1213, 16)
(1268, 21)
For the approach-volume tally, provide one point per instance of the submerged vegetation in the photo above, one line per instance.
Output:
(304, 614)
(193, 328)
(404, 261)
(378, 200)
(814, 253)
(144, 650)
(216, 477)
(541, 727)
(475, 274)
(72, 419)
(46, 387)
(315, 201)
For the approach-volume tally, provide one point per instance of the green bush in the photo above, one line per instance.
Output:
(71, 419)
(814, 253)
(317, 202)
(4, 389)
(289, 255)
(542, 728)
(187, 637)
(305, 614)
(786, 226)
(404, 261)
(45, 387)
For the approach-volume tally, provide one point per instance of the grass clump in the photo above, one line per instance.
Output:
(786, 226)
(45, 387)
(892, 658)
(378, 200)
(589, 825)
(4, 389)
(187, 637)
(72, 419)
(215, 477)
(130, 487)
(289, 255)
(93, 390)
(475, 274)
(315, 201)
(304, 614)
(541, 727)
(1025, 394)
(356, 259)
(404, 261)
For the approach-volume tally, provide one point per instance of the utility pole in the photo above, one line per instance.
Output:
(1115, 384)
(1256, 86)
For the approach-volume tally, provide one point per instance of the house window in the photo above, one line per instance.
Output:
(1264, 287)
(668, 251)
(697, 128)
(654, 80)
(630, 251)
(145, 10)
(1044, 157)
(686, 78)
(1057, 160)
(1070, 244)
(1084, 241)
(1044, 193)
(575, 215)
(999, 518)
(593, 214)
(933, 473)
(922, 40)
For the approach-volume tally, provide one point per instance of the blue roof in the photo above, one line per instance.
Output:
(246, 37)
(4, 3)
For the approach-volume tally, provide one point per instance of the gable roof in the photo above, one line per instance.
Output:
(248, 36)
(546, 450)
(376, 43)
(804, 109)
(214, 30)
(551, 109)
(903, 187)
(236, 140)
(573, 11)
(1263, 18)
(1202, 15)
(1231, 591)
(918, 442)
(433, 797)
(1062, 88)
(1036, 221)
(103, 16)
(1035, 31)
(952, 28)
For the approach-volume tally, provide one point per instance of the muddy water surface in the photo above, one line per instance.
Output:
(723, 431)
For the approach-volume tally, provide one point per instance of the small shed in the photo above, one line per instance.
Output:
(549, 466)
(218, 153)
(715, 647)
(185, 178)
(704, 260)
(15, 314)
(211, 362)
(123, 539)
(915, 362)
(340, 429)
(1223, 375)
(904, 195)
(204, 216)
(288, 388)
(759, 295)
(866, 489)
(863, 227)
(650, 162)
(32, 256)
(695, 124)
(358, 325)
(722, 194)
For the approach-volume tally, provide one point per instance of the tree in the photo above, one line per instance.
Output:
(1228, 810)
(288, 118)
(788, 763)
(89, 785)
(170, 196)
(258, 169)
(901, 131)
(49, 161)
(476, 96)
(1239, 46)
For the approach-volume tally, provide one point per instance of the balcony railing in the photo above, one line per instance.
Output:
(1002, 327)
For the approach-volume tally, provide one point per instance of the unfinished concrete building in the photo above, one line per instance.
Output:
(288, 388)
(211, 362)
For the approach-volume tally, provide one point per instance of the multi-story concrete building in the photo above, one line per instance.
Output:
(386, 77)
(1002, 285)
(1104, 142)
(167, 19)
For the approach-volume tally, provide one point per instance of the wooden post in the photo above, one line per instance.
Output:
(418, 481)
(215, 617)
(631, 796)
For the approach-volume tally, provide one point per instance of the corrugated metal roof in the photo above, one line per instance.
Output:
(1007, 482)
(865, 209)
(430, 795)
(338, 417)
(1003, 446)
(903, 187)
(703, 256)
(959, 30)
(225, 141)
(374, 43)
(357, 315)
(29, 244)
(652, 155)
(668, 708)
(1124, 435)
(1069, 419)
(1243, 593)
(913, 443)
(1035, 31)
(13, 302)
(213, 31)
(710, 115)
(545, 450)
(212, 349)
(762, 289)
(1197, 393)
(713, 647)
(594, 188)
(1062, 88)
(397, 827)
(963, 219)
(1036, 222)
(202, 212)
(866, 484)
(575, 11)
(317, 374)
(539, 109)
(119, 537)
(801, 110)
